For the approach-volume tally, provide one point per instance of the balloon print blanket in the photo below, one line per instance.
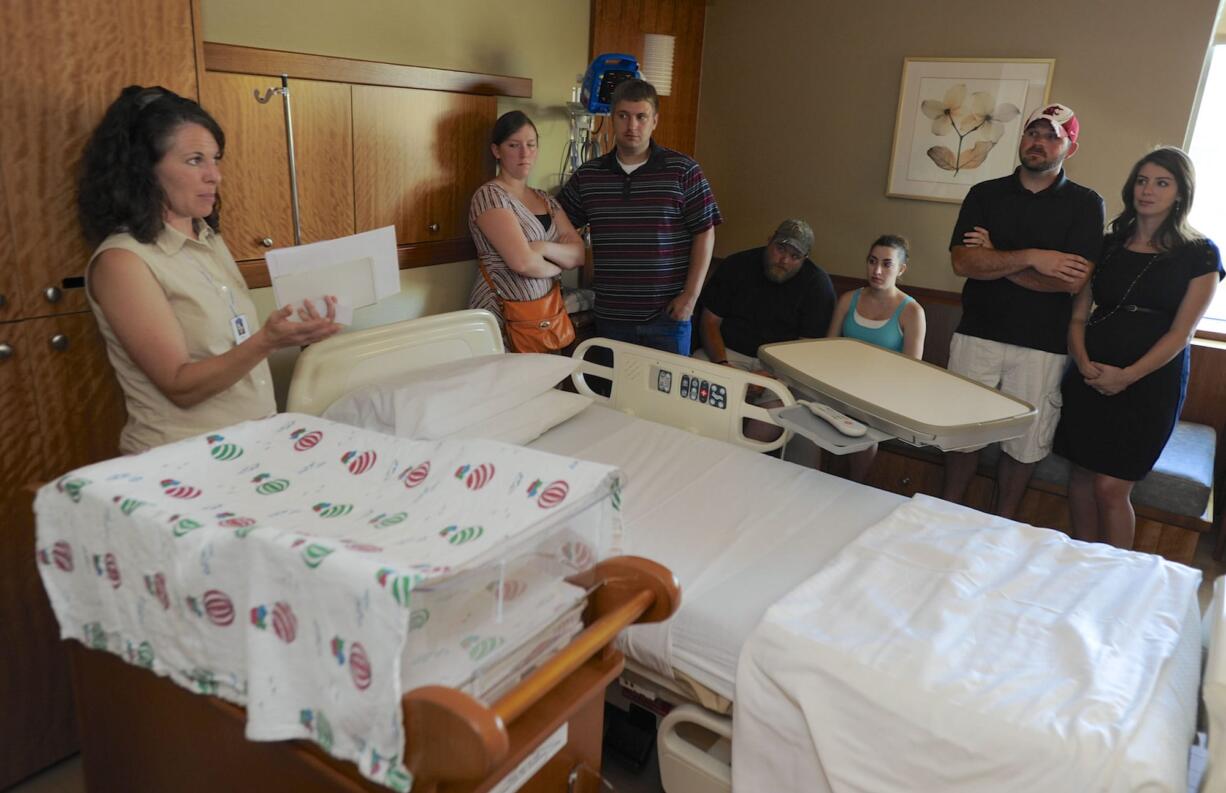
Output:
(285, 564)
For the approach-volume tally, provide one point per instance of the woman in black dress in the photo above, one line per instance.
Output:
(1128, 341)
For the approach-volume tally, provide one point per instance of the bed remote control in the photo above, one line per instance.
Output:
(848, 426)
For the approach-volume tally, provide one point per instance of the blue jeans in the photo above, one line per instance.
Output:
(660, 332)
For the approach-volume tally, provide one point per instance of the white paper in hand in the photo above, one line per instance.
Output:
(358, 270)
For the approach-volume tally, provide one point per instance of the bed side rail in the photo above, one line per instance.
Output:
(656, 386)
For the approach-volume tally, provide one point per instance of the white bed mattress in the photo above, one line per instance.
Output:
(738, 529)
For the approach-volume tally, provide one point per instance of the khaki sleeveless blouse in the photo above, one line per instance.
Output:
(192, 274)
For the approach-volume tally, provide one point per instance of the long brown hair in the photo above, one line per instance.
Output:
(1175, 230)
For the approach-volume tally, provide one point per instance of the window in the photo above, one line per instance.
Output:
(1209, 209)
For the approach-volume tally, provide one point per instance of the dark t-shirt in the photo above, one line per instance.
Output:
(757, 311)
(1065, 217)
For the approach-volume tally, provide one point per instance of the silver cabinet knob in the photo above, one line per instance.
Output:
(53, 294)
(266, 242)
(6, 352)
(433, 227)
(59, 342)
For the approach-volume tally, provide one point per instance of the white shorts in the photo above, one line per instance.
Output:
(1030, 375)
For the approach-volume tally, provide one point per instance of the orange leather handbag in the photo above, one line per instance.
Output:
(540, 325)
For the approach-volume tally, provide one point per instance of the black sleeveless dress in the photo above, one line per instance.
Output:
(1136, 296)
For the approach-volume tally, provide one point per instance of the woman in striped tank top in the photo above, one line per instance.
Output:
(523, 238)
(881, 314)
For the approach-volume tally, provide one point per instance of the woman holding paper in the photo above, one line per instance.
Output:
(523, 239)
(181, 331)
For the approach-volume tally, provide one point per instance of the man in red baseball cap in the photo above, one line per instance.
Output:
(1026, 243)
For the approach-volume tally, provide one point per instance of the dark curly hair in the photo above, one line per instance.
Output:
(118, 190)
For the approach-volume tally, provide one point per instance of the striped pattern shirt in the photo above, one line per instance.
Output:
(511, 285)
(641, 225)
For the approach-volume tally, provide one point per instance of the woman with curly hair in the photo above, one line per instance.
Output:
(1128, 343)
(169, 299)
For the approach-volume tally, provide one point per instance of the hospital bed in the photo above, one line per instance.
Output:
(741, 530)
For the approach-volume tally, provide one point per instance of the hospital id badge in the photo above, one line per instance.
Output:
(242, 331)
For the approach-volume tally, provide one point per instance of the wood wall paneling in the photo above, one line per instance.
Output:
(20, 453)
(12, 286)
(418, 157)
(255, 172)
(80, 404)
(37, 719)
(49, 106)
(619, 26)
(323, 148)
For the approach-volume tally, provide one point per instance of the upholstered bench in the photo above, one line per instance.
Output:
(1174, 503)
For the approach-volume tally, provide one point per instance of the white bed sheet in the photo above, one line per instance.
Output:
(738, 529)
(977, 653)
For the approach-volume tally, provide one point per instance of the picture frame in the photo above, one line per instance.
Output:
(959, 122)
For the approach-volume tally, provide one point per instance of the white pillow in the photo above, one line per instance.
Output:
(439, 400)
(527, 422)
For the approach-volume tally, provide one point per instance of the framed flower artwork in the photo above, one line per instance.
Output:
(959, 122)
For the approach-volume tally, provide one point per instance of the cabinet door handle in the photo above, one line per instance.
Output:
(59, 342)
(433, 227)
(3, 301)
(266, 242)
(6, 351)
(53, 294)
(906, 480)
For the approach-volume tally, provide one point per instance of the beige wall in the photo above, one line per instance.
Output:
(799, 98)
(545, 40)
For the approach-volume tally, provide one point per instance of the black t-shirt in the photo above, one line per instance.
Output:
(1065, 217)
(757, 311)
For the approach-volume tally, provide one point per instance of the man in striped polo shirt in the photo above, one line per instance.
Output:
(651, 216)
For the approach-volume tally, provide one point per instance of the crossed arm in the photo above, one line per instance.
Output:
(531, 259)
(1037, 269)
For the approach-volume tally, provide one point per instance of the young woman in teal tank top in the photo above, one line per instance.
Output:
(882, 315)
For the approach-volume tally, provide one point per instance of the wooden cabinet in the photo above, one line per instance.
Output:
(37, 719)
(63, 62)
(367, 156)
(418, 158)
(256, 205)
(13, 293)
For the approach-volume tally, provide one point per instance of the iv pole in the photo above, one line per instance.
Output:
(289, 147)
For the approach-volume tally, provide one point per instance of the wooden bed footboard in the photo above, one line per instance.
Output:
(142, 732)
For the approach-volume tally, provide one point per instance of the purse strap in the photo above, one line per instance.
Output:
(490, 282)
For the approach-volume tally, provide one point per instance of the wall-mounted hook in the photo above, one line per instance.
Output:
(268, 95)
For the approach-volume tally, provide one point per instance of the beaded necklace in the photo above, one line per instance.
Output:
(1153, 258)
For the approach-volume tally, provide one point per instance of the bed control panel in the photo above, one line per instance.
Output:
(695, 389)
(694, 395)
